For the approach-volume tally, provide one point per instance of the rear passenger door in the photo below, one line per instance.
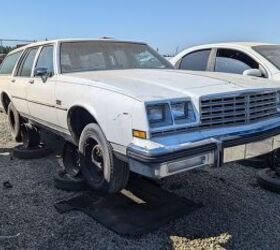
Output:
(6, 71)
(197, 60)
(21, 80)
(233, 61)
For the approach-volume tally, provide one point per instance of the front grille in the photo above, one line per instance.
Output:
(237, 110)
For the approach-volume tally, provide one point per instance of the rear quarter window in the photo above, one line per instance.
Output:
(9, 63)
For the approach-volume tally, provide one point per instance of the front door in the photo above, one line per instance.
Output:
(40, 92)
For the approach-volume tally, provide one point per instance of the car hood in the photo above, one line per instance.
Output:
(152, 84)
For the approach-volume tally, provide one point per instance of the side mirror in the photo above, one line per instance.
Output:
(253, 72)
(43, 73)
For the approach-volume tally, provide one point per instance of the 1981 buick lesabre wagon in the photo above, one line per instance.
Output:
(127, 109)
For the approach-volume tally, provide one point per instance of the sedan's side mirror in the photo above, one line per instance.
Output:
(253, 72)
(43, 73)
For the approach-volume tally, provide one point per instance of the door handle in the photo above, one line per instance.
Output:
(13, 80)
(31, 81)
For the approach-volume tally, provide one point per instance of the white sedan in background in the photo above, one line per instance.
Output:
(254, 59)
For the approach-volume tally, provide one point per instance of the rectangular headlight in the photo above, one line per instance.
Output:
(179, 110)
(159, 115)
(182, 112)
(156, 113)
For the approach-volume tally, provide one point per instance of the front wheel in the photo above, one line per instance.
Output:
(100, 168)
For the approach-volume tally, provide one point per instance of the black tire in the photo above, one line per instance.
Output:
(100, 168)
(30, 135)
(67, 183)
(71, 159)
(31, 153)
(268, 179)
(14, 122)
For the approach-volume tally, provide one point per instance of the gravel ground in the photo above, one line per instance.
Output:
(237, 214)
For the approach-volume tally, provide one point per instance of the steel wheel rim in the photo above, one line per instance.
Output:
(74, 169)
(94, 160)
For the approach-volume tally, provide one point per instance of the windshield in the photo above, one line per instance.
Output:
(107, 55)
(270, 52)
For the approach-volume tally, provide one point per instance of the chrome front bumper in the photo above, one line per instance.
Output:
(164, 161)
(250, 150)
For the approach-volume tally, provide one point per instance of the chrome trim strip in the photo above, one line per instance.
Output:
(18, 97)
(41, 103)
(251, 150)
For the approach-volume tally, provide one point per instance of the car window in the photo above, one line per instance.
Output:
(25, 67)
(145, 59)
(9, 63)
(109, 55)
(95, 60)
(270, 52)
(233, 61)
(197, 60)
(45, 59)
(121, 58)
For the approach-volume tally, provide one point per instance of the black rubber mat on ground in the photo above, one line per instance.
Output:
(141, 208)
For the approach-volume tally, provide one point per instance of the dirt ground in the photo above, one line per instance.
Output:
(237, 213)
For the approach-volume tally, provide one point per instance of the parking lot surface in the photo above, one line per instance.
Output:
(237, 213)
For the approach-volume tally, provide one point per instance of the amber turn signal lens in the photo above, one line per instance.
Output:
(139, 134)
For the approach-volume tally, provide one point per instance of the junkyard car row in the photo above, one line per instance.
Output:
(128, 109)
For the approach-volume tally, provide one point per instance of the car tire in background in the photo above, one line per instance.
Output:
(30, 136)
(275, 161)
(14, 122)
(65, 182)
(269, 179)
(262, 161)
(101, 169)
(31, 153)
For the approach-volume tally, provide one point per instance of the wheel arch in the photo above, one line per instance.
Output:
(78, 117)
(5, 101)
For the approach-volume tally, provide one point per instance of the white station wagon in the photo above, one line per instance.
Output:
(255, 59)
(128, 109)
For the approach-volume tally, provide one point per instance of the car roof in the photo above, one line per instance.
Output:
(233, 45)
(40, 43)
(245, 44)
(230, 44)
